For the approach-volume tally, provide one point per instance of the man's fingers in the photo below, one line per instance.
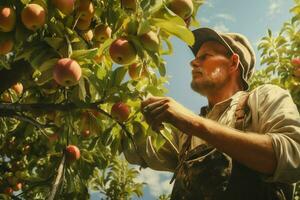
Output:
(151, 106)
(151, 100)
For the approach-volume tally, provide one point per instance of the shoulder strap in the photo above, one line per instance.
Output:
(241, 110)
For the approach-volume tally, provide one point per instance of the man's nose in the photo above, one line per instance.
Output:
(194, 63)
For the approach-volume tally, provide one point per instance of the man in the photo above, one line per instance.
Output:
(244, 146)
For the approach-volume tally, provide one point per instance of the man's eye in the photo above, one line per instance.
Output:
(202, 57)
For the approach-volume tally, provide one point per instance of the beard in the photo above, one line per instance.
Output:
(209, 83)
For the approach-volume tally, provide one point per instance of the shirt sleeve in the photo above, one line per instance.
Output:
(164, 159)
(278, 117)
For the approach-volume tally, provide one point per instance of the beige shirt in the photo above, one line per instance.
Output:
(273, 112)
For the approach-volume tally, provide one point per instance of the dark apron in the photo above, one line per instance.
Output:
(204, 173)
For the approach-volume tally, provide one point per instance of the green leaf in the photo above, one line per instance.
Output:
(82, 91)
(170, 27)
(162, 69)
(55, 42)
(269, 33)
(47, 64)
(118, 76)
(46, 76)
(86, 53)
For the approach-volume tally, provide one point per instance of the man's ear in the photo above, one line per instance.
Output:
(235, 60)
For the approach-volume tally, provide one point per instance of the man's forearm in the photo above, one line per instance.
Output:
(253, 150)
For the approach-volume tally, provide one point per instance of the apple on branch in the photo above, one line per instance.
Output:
(136, 71)
(8, 191)
(102, 33)
(182, 8)
(17, 186)
(72, 153)
(296, 64)
(83, 24)
(6, 46)
(66, 72)
(150, 41)
(122, 51)
(33, 16)
(65, 6)
(18, 88)
(86, 9)
(120, 111)
(7, 19)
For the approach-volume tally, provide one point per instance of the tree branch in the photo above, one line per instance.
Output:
(58, 178)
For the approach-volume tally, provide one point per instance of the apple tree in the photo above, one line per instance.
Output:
(73, 74)
(280, 55)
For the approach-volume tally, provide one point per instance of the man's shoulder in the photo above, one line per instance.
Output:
(267, 95)
(268, 90)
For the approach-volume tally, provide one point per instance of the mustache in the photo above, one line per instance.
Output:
(198, 70)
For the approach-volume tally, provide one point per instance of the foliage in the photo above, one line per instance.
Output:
(118, 182)
(40, 121)
(277, 51)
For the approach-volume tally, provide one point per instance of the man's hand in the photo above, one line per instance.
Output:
(165, 109)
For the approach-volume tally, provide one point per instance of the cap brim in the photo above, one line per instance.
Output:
(204, 34)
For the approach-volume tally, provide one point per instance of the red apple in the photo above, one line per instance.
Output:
(83, 24)
(33, 16)
(295, 62)
(6, 46)
(129, 4)
(8, 191)
(17, 187)
(102, 33)
(86, 9)
(7, 19)
(136, 71)
(6, 97)
(85, 133)
(122, 52)
(67, 72)
(150, 41)
(120, 111)
(18, 88)
(183, 8)
(72, 153)
(65, 6)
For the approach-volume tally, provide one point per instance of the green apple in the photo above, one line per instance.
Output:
(122, 52)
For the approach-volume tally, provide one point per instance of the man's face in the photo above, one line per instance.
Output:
(210, 68)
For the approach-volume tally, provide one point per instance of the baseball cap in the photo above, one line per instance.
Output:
(234, 42)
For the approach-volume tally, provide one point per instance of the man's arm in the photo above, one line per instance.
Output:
(253, 150)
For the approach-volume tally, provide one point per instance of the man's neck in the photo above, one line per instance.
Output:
(222, 94)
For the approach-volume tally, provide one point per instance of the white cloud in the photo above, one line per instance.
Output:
(157, 181)
(274, 7)
(220, 27)
(226, 16)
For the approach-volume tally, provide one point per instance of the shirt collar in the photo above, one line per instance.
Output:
(221, 106)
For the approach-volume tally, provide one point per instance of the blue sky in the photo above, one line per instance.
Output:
(249, 17)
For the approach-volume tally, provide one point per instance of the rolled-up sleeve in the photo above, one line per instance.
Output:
(279, 118)
(164, 159)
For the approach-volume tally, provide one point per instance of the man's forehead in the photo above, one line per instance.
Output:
(212, 46)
